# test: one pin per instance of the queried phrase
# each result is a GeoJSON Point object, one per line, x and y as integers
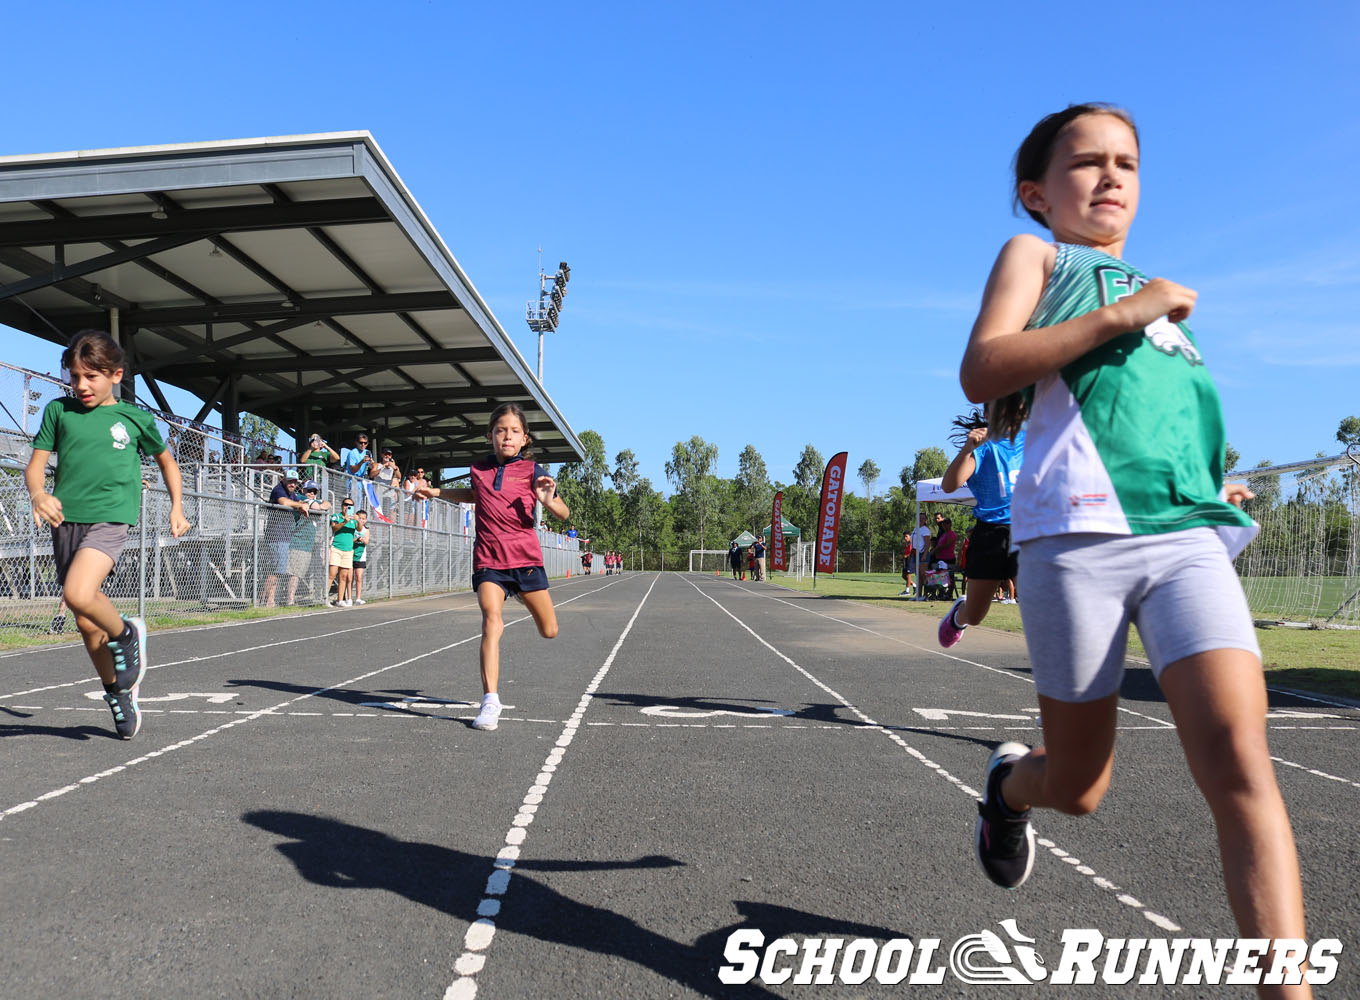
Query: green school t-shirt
{"type": "Point", "coordinates": [344, 538]}
{"type": "Point", "coordinates": [99, 472]}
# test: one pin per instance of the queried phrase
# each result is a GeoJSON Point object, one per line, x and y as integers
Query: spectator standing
{"type": "Point", "coordinates": [920, 542]}
{"type": "Point", "coordinates": [906, 565]}
{"type": "Point", "coordinates": [751, 560]}
{"type": "Point", "coordinates": [387, 476]}
{"type": "Point", "coordinates": [96, 498]}
{"type": "Point", "coordinates": [343, 527]}
{"type": "Point", "coordinates": [734, 559]}
{"type": "Point", "coordinates": [319, 455]}
{"type": "Point", "coordinates": [279, 520]}
{"type": "Point", "coordinates": [759, 549]}
{"type": "Point", "coordinates": [360, 554]}
{"type": "Point", "coordinates": [302, 544]}
{"type": "Point", "coordinates": [356, 462]}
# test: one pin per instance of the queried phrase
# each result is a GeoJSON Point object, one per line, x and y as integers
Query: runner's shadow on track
{"type": "Point", "coordinates": [68, 733]}
{"type": "Point", "coordinates": [982, 741]}
{"type": "Point", "coordinates": [345, 696]}
{"type": "Point", "coordinates": [703, 707]}
{"type": "Point", "coordinates": [330, 852]}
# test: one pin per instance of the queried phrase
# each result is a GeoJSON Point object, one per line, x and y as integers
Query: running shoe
{"type": "Point", "coordinates": [127, 716]}
{"type": "Point", "coordinates": [1003, 840]}
{"type": "Point", "coordinates": [489, 717]}
{"type": "Point", "coordinates": [950, 630]}
{"type": "Point", "coordinates": [129, 659]}
{"type": "Point", "coordinates": [344, 604]}
{"type": "Point", "coordinates": [360, 600]}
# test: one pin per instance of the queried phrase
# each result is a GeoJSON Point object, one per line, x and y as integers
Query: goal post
{"type": "Point", "coordinates": [1304, 566]}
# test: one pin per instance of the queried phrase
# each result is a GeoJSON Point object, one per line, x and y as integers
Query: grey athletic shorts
{"type": "Point", "coordinates": [1078, 594]}
{"type": "Point", "coordinates": [68, 538]}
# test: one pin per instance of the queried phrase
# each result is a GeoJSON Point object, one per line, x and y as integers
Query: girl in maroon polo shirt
{"type": "Point", "coordinates": [506, 558]}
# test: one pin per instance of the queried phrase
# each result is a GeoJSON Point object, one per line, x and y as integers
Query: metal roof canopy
{"type": "Point", "coordinates": [292, 277]}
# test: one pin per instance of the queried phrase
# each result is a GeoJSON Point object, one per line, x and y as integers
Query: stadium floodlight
{"type": "Point", "coordinates": [545, 314]}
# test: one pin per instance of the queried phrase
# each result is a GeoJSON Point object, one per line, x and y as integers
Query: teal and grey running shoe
{"type": "Point", "coordinates": [129, 660]}
{"type": "Point", "coordinates": [127, 716]}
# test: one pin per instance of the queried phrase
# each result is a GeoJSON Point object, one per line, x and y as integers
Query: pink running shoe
{"type": "Point", "coordinates": [950, 631]}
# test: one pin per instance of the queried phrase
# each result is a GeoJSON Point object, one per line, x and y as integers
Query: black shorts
{"type": "Point", "coordinates": [989, 555]}
{"type": "Point", "coordinates": [360, 564]}
{"type": "Point", "coordinates": [69, 537]}
{"type": "Point", "coordinates": [512, 581]}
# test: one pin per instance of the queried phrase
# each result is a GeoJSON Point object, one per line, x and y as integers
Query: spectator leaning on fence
{"type": "Point", "coordinates": [302, 545]}
{"type": "Point", "coordinates": [285, 499]}
{"type": "Point", "coordinates": [96, 498]}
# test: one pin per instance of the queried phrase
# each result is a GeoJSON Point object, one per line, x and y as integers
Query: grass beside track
{"type": "Point", "coordinates": [1322, 661]}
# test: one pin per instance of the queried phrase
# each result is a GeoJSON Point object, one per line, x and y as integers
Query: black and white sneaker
{"type": "Point", "coordinates": [1003, 839]}
{"type": "Point", "coordinates": [129, 659]}
{"type": "Point", "coordinates": [127, 715]}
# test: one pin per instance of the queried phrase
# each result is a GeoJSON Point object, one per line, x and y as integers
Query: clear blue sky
{"type": "Point", "coordinates": [795, 192]}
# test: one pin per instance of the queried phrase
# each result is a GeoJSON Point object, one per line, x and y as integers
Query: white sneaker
{"type": "Point", "coordinates": [489, 717]}
{"type": "Point", "coordinates": [344, 604]}
{"type": "Point", "coordinates": [360, 600]}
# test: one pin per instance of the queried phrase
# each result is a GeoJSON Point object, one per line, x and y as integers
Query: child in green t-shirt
{"type": "Point", "coordinates": [343, 527]}
{"type": "Point", "coordinates": [96, 498]}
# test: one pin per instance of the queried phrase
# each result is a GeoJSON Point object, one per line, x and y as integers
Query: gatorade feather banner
{"type": "Point", "coordinates": [829, 515]}
{"type": "Point", "coordinates": [779, 553]}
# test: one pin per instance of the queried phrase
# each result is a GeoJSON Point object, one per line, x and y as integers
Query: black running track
{"type": "Point", "coordinates": [308, 813]}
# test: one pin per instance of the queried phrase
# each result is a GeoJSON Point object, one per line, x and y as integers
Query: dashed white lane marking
{"type": "Point", "coordinates": [285, 642]}
{"type": "Point", "coordinates": [234, 652]}
{"type": "Point", "coordinates": [1007, 673]}
{"type": "Point", "coordinates": [483, 930]}
{"type": "Point", "coordinates": [262, 713]}
{"type": "Point", "coordinates": [925, 761]}
{"type": "Point", "coordinates": [420, 710]}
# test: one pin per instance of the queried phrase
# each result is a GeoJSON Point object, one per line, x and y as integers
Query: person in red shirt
{"type": "Point", "coordinates": [506, 558]}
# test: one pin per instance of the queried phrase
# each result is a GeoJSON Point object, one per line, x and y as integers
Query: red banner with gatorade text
{"type": "Point", "coordinates": [829, 514]}
{"type": "Point", "coordinates": [779, 552]}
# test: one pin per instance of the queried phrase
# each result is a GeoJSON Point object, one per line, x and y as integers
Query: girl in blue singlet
{"type": "Point", "coordinates": [1121, 516]}
{"type": "Point", "coordinates": [989, 466]}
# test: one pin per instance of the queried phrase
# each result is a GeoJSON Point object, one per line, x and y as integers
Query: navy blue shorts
{"type": "Point", "coordinates": [512, 581]}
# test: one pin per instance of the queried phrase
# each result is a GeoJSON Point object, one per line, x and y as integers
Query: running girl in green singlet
{"type": "Point", "coordinates": [1121, 515]}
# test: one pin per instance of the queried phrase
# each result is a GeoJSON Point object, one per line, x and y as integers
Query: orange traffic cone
{"type": "Point", "coordinates": [568, 574]}
{"type": "Point", "coordinates": [717, 572]}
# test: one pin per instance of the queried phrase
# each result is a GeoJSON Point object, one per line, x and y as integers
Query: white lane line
{"type": "Point", "coordinates": [1005, 673]}
{"type": "Point", "coordinates": [272, 710]}
{"type": "Point", "coordinates": [483, 930]}
{"type": "Point", "coordinates": [285, 642]}
{"type": "Point", "coordinates": [235, 652]}
{"type": "Point", "coordinates": [925, 761]}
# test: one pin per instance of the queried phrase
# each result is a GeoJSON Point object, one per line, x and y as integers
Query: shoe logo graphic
{"type": "Point", "coordinates": [985, 958]}
{"type": "Point", "coordinates": [121, 437]}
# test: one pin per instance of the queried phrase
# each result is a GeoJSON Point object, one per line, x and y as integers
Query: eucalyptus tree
{"type": "Point", "coordinates": [868, 475]}
{"type": "Point", "coordinates": [690, 470]}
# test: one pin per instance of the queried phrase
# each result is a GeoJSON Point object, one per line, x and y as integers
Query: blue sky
{"type": "Point", "coordinates": [779, 216]}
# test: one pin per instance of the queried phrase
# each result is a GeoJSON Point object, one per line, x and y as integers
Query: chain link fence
{"type": "Point", "coordinates": [242, 552]}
